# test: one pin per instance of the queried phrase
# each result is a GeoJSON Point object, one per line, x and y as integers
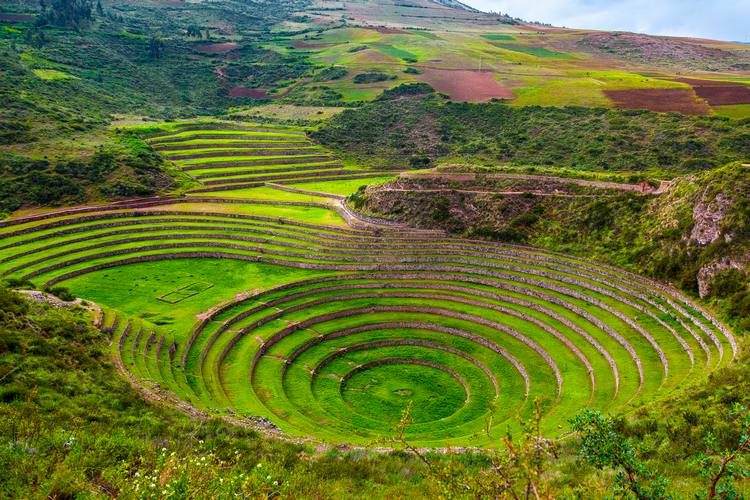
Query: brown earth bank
{"type": "Point", "coordinates": [682, 101]}
{"type": "Point", "coordinates": [529, 182]}
{"type": "Point", "coordinates": [465, 85]}
{"type": "Point", "coordinates": [217, 48]}
{"type": "Point", "coordinates": [307, 45]}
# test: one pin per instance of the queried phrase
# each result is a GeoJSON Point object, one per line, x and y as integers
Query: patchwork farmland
{"type": "Point", "coordinates": [305, 320]}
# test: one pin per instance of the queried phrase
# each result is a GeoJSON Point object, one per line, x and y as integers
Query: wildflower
{"type": "Point", "coordinates": [259, 466]}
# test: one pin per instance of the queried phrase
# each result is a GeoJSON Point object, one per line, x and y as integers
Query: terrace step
{"type": "Point", "coordinates": [234, 145]}
{"type": "Point", "coordinates": [260, 163]}
{"type": "Point", "coordinates": [492, 323]}
{"type": "Point", "coordinates": [220, 127]}
{"type": "Point", "coordinates": [301, 170]}
{"type": "Point", "coordinates": [248, 152]}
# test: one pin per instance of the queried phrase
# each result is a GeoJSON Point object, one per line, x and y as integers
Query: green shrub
{"type": "Point", "coordinates": [61, 293]}
{"type": "Point", "coordinates": [331, 73]}
{"type": "Point", "coordinates": [728, 282]}
{"type": "Point", "coordinates": [418, 162]}
{"type": "Point", "coordinates": [363, 78]}
{"type": "Point", "coordinates": [406, 90]}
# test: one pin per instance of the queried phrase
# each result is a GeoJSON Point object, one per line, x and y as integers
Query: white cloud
{"type": "Point", "coordinates": [719, 19]}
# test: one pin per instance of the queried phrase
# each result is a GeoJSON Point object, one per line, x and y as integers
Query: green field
{"type": "Point", "coordinates": [339, 325]}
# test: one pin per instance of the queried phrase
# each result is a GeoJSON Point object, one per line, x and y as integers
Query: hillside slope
{"type": "Point", "coordinates": [695, 234]}
{"type": "Point", "coordinates": [426, 128]}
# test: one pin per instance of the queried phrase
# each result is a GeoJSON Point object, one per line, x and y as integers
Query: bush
{"type": "Point", "coordinates": [331, 73]}
{"type": "Point", "coordinates": [61, 293]}
{"type": "Point", "coordinates": [372, 78]}
{"type": "Point", "coordinates": [406, 90]}
{"type": "Point", "coordinates": [19, 283]}
{"type": "Point", "coordinates": [418, 162]}
{"type": "Point", "coordinates": [728, 282]}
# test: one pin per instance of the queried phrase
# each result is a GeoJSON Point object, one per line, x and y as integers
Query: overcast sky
{"type": "Point", "coordinates": [718, 19]}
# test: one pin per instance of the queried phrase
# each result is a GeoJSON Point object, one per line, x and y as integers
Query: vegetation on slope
{"type": "Point", "coordinates": [398, 131]}
{"type": "Point", "coordinates": [696, 234]}
{"type": "Point", "coordinates": [123, 168]}
{"type": "Point", "coordinates": [75, 67]}
{"type": "Point", "coordinates": [72, 426]}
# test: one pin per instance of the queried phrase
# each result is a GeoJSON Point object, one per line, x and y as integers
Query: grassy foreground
{"type": "Point", "coordinates": [73, 427]}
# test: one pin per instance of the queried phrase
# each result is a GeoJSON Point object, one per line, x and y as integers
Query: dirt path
{"type": "Point", "coordinates": [509, 193]}
{"type": "Point", "coordinates": [320, 194]}
{"type": "Point", "coordinates": [643, 187]}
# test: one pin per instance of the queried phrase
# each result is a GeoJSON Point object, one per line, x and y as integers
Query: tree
{"type": "Point", "coordinates": [65, 13]}
{"type": "Point", "coordinates": [194, 31]}
{"type": "Point", "coordinates": [720, 468]}
{"type": "Point", "coordinates": [603, 447]}
{"type": "Point", "coordinates": [99, 8]}
{"type": "Point", "coordinates": [155, 48]}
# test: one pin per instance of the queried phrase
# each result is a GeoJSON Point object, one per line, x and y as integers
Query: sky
{"type": "Point", "coordinates": [717, 19]}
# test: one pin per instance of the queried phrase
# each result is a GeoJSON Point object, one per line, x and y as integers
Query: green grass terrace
{"type": "Point", "coordinates": [286, 314]}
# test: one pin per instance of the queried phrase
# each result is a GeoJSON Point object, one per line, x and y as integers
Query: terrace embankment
{"type": "Point", "coordinates": [227, 157]}
{"type": "Point", "coordinates": [690, 230]}
{"type": "Point", "coordinates": [373, 315]}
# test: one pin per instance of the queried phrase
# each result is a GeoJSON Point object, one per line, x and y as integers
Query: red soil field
{"type": "Point", "coordinates": [217, 48]}
{"type": "Point", "coordinates": [465, 85]}
{"type": "Point", "coordinates": [719, 93]}
{"type": "Point", "coordinates": [249, 93]}
{"type": "Point", "coordinates": [660, 100]}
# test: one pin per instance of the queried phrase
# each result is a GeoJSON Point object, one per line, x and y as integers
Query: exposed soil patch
{"type": "Point", "coordinates": [719, 93]}
{"type": "Point", "coordinates": [249, 93]}
{"type": "Point", "coordinates": [305, 45]}
{"type": "Point", "coordinates": [466, 85]}
{"type": "Point", "coordinates": [660, 100]}
{"type": "Point", "coordinates": [217, 48]}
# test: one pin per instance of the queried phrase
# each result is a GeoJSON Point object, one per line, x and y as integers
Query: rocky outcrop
{"type": "Point", "coordinates": [707, 272]}
{"type": "Point", "coordinates": [708, 216]}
